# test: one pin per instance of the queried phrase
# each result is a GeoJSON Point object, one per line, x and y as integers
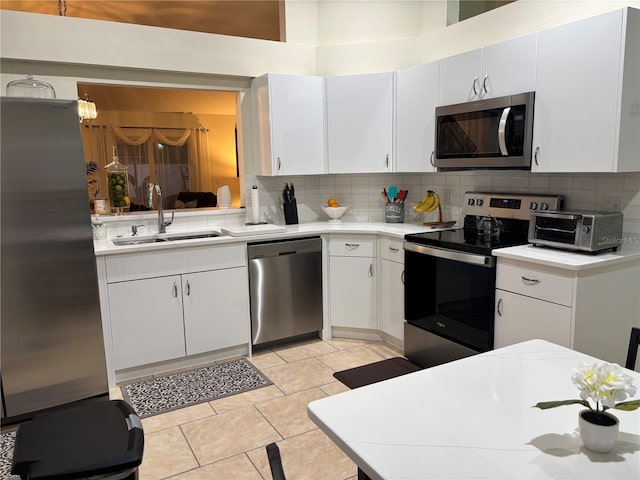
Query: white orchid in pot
{"type": "Point", "coordinates": [607, 386]}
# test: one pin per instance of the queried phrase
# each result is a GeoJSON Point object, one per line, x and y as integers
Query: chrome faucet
{"type": "Point", "coordinates": [162, 225]}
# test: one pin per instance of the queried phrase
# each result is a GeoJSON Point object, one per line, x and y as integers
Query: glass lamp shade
{"type": "Point", "coordinates": [86, 109]}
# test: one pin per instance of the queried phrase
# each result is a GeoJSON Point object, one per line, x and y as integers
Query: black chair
{"type": "Point", "coordinates": [101, 438]}
{"type": "Point", "coordinates": [632, 354]}
{"type": "Point", "coordinates": [275, 462]}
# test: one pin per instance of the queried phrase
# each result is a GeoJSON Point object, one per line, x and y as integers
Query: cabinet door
{"type": "Point", "coordinates": [509, 67]}
{"type": "Point", "coordinates": [519, 318]}
{"type": "Point", "coordinates": [216, 309]}
{"type": "Point", "coordinates": [289, 124]}
{"type": "Point", "coordinates": [416, 101]}
{"type": "Point", "coordinates": [577, 96]}
{"type": "Point", "coordinates": [459, 79]}
{"type": "Point", "coordinates": [392, 298]}
{"type": "Point", "coordinates": [297, 124]}
{"type": "Point", "coordinates": [146, 321]}
{"type": "Point", "coordinates": [360, 123]}
{"type": "Point", "coordinates": [352, 287]}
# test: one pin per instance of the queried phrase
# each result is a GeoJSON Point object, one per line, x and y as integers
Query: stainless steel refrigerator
{"type": "Point", "coordinates": [52, 343]}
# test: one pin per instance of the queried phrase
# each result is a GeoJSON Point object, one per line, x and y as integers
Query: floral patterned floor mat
{"type": "Point", "coordinates": [179, 390]}
{"type": "Point", "coordinates": [6, 455]}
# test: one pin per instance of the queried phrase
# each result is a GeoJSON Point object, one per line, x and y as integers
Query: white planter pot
{"type": "Point", "coordinates": [595, 437]}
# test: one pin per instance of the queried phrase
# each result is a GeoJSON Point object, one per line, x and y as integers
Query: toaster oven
{"type": "Point", "coordinates": [592, 232]}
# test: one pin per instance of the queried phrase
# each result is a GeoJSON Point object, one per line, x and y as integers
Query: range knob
{"type": "Point", "coordinates": [479, 202]}
{"type": "Point", "coordinates": [586, 229]}
{"type": "Point", "coordinates": [544, 206]}
{"type": "Point", "coordinates": [471, 201]}
{"type": "Point", "coordinates": [533, 206]}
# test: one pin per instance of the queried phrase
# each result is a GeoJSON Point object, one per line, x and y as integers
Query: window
{"type": "Point", "coordinates": [184, 140]}
{"type": "Point", "coordinates": [459, 10]}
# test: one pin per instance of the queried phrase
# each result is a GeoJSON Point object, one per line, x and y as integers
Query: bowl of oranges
{"type": "Point", "coordinates": [334, 211]}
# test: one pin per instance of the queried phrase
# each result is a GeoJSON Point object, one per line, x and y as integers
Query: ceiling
{"type": "Point", "coordinates": [147, 99]}
{"type": "Point", "coordinates": [246, 18]}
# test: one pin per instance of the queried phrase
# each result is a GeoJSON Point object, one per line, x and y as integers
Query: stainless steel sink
{"type": "Point", "coordinates": [165, 237]}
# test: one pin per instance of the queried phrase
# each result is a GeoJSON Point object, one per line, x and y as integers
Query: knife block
{"type": "Point", "coordinates": [290, 212]}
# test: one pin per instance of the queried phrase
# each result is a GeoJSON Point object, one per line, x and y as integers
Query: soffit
{"type": "Point", "coordinates": [143, 99]}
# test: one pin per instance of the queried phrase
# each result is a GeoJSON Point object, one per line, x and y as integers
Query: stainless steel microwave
{"type": "Point", "coordinates": [487, 134]}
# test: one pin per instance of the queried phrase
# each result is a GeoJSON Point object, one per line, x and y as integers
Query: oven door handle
{"type": "Point", "coordinates": [473, 259]}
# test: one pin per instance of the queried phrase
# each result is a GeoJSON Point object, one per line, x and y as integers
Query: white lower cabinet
{"type": "Point", "coordinates": [590, 310]}
{"type": "Point", "coordinates": [519, 318]}
{"type": "Point", "coordinates": [146, 321]}
{"type": "Point", "coordinates": [352, 282]}
{"type": "Point", "coordinates": [391, 318]}
{"type": "Point", "coordinates": [532, 301]}
{"type": "Point", "coordinates": [392, 299]}
{"type": "Point", "coordinates": [170, 316]}
{"type": "Point", "coordinates": [215, 305]}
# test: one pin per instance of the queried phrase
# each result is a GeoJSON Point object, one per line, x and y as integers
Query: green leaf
{"type": "Point", "coordinates": [628, 406]}
{"type": "Point", "coordinates": [559, 403]}
{"type": "Point", "coordinates": [91, 167]}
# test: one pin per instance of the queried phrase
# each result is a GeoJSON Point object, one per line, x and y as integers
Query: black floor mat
{"type": "Point", "coordinates": [376, 372]}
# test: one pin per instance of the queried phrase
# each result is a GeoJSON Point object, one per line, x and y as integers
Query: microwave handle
{"type": "Point", "coordinates": [502, 126]}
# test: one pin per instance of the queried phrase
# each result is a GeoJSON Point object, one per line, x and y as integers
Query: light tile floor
{"type": "Point", "coordinates": [225, 438]}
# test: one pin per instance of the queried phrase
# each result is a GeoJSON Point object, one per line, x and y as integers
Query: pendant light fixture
{"type": "Point", "coordinates": [86, 109]}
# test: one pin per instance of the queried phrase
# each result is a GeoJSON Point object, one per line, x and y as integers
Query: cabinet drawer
{"type": "Point", "coordinates": [352, 246]}
{"type": "Point", "coordinates": [537, 281]}
{"type": "Point", "coordinates": [391, 249]}
{"type": "Point", "coordinates": [132, 266]}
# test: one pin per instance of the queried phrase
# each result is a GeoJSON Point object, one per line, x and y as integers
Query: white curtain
{"type": "Point", "coordinates": [201, 172]}
{"type": "Point", "coordinates": [173, 137]}
{"type": "Point", "coordinates": [132, 136]}
{"type": "Point", "coordinates": [149, 156]}
{"type": "Point", "coordinates": [94, 142]}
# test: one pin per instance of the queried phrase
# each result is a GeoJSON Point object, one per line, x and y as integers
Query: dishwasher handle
{"type": "Point", "coordinates": [284, 248]}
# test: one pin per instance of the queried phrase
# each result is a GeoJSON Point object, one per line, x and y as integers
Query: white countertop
{"type": "Point", "coordinates": [473, 418]}
{"type": "Point", "coordinates": [397, 230]}
{"type": "Point", "coordinates": [629, 251]}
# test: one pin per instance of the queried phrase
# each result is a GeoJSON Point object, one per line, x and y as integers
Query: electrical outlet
{"type": "Point", "coordinates": [612, 203]}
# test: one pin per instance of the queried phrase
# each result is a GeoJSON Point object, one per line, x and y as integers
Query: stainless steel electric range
{"type": "Point", "coordinates": [449, 281]}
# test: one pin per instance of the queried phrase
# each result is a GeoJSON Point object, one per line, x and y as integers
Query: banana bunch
{"type": "Point", "coordinates": [429, 203]}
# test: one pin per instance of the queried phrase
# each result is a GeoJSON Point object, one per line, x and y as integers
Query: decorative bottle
{"type": "Point", "coordinates": [118, 183]}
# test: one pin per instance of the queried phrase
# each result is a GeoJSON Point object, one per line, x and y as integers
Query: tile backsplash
{"type": "Point", "coordinates": [361, 193]}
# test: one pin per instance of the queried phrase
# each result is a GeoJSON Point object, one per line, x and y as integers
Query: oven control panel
{"type": "Point", "coordinates": [508, 205]}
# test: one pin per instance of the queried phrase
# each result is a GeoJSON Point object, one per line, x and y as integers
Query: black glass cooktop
{"type": "Point", "coordinates": [466, 240]}
{"type": "Point", "coordinates": [469, 239]}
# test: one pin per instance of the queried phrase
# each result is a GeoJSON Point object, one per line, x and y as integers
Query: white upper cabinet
{"type": "Point", "coordinates": [587, 96]}
{"type": "Point", "coordinates": [360, 123]}
{"type": "Point", "coordinates": [505, 68]}
{"type": "Point", "coordinates": [460, 78]}
{"type": "Point", "coordinates": [416, 101]}
{"type": "Point", "coordinates": [288, 124]}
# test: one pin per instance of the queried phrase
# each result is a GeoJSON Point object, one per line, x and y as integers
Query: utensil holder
{"type": "Point", "coordinates": [290, 213]}
{"type": "Point", "coordinates": [394, 213]}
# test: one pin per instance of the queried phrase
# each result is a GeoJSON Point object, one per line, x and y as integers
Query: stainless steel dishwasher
{"type": "Point", "coordinates": [285, 283]}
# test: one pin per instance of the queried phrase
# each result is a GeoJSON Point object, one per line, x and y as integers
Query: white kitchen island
{"type": "Point", "coordinates": [473, 419]}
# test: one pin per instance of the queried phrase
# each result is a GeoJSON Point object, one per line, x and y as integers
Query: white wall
{"type": "Point", "coordinates": [509, 21]}
{"type": "Point", "coordinates": [69, 40]}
